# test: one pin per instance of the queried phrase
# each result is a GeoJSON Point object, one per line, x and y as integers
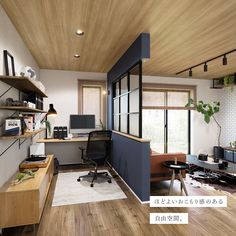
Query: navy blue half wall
{"type": "Point", "coordinates": [131, 160]}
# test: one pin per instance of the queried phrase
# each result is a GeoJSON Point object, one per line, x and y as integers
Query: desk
{"type": "Point", "coordinates": [52, 140]}
{"type": "Point", "coordinates": [66, 151]}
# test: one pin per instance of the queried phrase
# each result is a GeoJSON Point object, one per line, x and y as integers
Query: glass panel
{"type": "Point", "coordinates": [116, 122]}
{"type": "Point", "coordinates": [134, 82]}
{"type": "Point", "coordinates": [124, 88]}
{"type": "Point", "coordinates": [153, 98]}
{"type": "Point", "coordinates": [92, 94]}
{"type": "Point", "coordinates": [116, 106]}
{"type": "Point", "coordinates": [153, 129]}
{"type": "Point", "coordinates": [134, 78]}
{"type": "Point", "coordinates": [117, 89]}
{"type": "Point", "coordinates": [134, 101]}
{"type": "Point", "coordinates": [178, 131]}
{"type": "Point", "coordinates": [177, 98]}
{"type": "Point", "coordinates": [123, 125]}
{"type": "Point", "coordinates": [134, 124]}
{"type": "Point", "coordinates": [124, 103]}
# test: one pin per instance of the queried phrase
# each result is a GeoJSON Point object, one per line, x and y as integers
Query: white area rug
{"type": "Point", "coordinates": [68, 191]}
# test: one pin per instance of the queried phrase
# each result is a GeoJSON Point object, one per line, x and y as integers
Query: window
{"type": "Point", "coordinates": [92, 99]}
{"type": "Point", "coordinates": [127, 102]}
{"type": "Point", "coordinates": [166, 120]}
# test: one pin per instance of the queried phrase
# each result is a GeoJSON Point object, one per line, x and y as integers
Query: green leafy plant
{"type": "Point", "coordinates": [229, 81]}
{"type": "Point", "coordinates": [102, 125]}
{"type": "Point", "coordinates": [208, 110]}
{"type": "Point", "coordinates": [48, 126]}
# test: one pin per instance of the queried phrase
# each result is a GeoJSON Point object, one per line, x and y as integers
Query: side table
{"type": "Point", "coordinates": [176, 168]}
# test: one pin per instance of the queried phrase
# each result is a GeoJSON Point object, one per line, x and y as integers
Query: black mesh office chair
{"type": "Point", "coordinates": [97, 152]}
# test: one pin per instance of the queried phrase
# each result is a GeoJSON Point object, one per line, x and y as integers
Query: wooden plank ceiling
{"type": "Point", "coordinates": [183, 33]}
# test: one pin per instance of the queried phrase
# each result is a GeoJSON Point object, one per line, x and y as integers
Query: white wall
{"type": "Point", "coordinates": [227, 118]}
{"type": "Point", "coordinates": [204, 136]}
{"type": "Point", "coordinates": [62, 90]}
{"type": "Point", "coordinates": [11, 41]}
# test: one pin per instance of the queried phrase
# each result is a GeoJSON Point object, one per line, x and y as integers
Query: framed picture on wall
{"type": "Point", "coordinates": [9, 63]}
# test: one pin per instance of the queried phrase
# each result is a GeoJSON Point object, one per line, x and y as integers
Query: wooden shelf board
{"type": "Point", "coordinates": [26, 135]}
{"type": "Point", "coordinates": [24, 84]}
{"type": "Point", "coordinates": [21, 108]}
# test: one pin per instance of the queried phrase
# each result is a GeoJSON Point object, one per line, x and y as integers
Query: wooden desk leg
{"type": "Point", "coordinates": [172, 182]}
{"type": "Point", "coordinates": [182, 181]}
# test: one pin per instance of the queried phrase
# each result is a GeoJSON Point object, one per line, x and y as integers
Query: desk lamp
{"type": "Point", "coordinates": [51, 112]}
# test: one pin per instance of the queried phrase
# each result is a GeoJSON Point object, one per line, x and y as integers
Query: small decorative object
{"type": "Point", "coordinates": [27, 71]}
{"type": "Point", "coordinates": [11, 102]}
{"type": "Point", "coordinates": [225, 163]}
{"type": "Point", "coordinates": [9, 63]}
{"type": "Point", "coordinates": [202, 157]}
{"type": "Point", "coordinates": [232, 144]}
{"type": "Point", "coordinates": [27, 174]}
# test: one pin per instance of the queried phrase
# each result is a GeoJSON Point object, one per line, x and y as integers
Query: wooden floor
{"type": "Point", "coordinates": [130, 217]}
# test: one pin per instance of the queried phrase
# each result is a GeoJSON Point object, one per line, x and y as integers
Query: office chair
{"type": "Point", "coordinates": [97, 152]}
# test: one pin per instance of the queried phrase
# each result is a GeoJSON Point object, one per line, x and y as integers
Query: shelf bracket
{"type": "Point", "coordinates": [7, 90]}
{"type": "Point", "coordinates": [20, 143]}
{"type": "Point", "coordinates": [9, 147]}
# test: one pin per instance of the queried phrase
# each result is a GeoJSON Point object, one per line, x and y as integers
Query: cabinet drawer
{"type": "Point", "coordinates": [229, 155]}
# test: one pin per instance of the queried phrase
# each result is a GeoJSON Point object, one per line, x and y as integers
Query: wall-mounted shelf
{"type": "Point", "coordinates": [24, 84]}
{"type": "Point", "coordinates": [21, 108]}
{"type": "Point", "coordinates": [26, 135]}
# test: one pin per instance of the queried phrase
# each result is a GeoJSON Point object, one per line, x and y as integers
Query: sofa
{"type": "Point", "coordinates": [158, 171]}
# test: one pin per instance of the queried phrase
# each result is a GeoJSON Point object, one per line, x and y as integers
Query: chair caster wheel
{"type": "Point", "coordinates": [91, 185]}
{"type": "Point", "coordinates": [89, 173]}
{"type": "Point", "coordinates": [78, 180]}
{"type": "Point", "coordinates": [109, 181]}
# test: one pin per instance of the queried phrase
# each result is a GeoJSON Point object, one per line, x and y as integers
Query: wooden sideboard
{"type": "Point", "coordinates": [23, 204]}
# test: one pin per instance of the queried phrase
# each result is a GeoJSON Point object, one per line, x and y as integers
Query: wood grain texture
{"type": "Point", "coordinates": [26, 135]}
{"type": "Point", "coordinates": [128, 217]}
{"type": "Point", "coordinates": [23, 204]}
{"type": "Point", "coordinates": [21, 108]}
{"type": "Point", "coordinates": [24, 84]}
{"type": "Point", "coordinates": [183, 33]}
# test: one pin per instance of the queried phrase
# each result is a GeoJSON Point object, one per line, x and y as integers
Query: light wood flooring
{"type": "Point", "coordinates": [130, 217]}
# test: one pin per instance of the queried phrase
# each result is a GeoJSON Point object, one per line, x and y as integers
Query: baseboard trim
{"type": "Point", "coordinates": [142, 202]}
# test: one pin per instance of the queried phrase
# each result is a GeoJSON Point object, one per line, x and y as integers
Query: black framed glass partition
{"type": "Point", "coordinates": [127, 102]}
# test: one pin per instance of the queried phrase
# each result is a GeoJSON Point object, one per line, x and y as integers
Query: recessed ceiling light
{"type": "Point", "coordinates": [79, 32]}
{"type": "Point", "coordinates": [76, 55]}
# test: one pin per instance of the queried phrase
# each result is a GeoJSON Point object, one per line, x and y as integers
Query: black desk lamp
{"type": "Point", "coordinates": [51, 112]}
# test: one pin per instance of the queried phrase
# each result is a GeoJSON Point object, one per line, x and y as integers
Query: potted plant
{"type": "Point", "coordinates": [48, 127]}
{"type": "Point", "coordinates": [208, 110]}
{"type": "Point", "coordinates": [229, 81]}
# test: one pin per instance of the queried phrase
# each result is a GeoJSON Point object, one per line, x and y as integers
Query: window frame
{"type": "Point", "coordinates": [115, 96]}
{"type": "Point", "coordinates": [102, 84]}
{"type": "Point", "coordinates": [191, 89]}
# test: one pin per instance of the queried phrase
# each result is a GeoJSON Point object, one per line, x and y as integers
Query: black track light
{"type": "Point", "coordinates": [205, 67]}
{"type": "Point", "coordinates": [224, 61]}
{"type": "Point", "coordinates": [190, 73]}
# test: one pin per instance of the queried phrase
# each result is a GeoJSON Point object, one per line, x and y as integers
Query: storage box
{"type": "Point", "coordinates": [229, 155]}
{"type": "Point", "coordinates": [12, 125]}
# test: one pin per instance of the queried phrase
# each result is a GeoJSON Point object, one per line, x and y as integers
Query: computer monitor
{"type": "Point", "coordinates": [82, 124]}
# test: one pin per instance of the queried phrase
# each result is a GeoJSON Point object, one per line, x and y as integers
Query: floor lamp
{"type": "Point", "coordinates": [51, 112]}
